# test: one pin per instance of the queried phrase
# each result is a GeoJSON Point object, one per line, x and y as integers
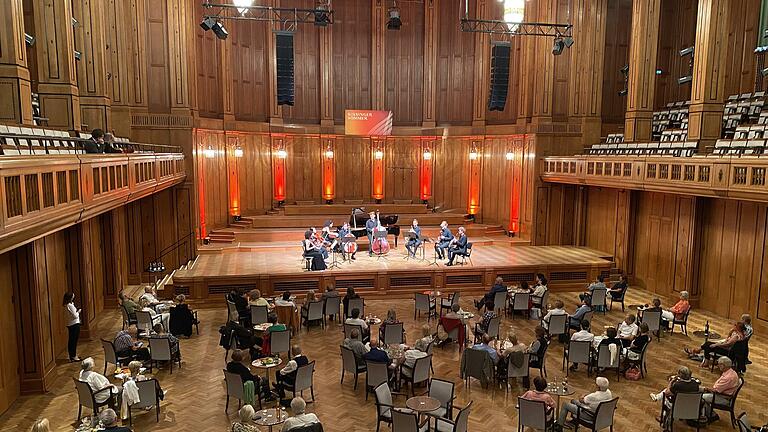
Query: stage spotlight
{"type": "Point", "coordinates": [686, 51]}
{"type": "Point", "coordinates": [568, 41]}
{"type": "Point", "coordinates": [427, 155]}
{"type": "Point", "coordinates": [625, 70]}
{"type": "Point", "coordinates": [623, 92]}
{"type": "Point", "coordinates": [685, 79]}
{"type": "Point", "coordinates": [764, 72]}
{"type": "Point", "coordinates": [322, 18]}
{"type": "Point", "coordinates": [394, 22]}
{"type": "Point", "coordinates": [558, 46]}
{"type": "Point", "coordinates": [210, 23]}
{"type": "Point", "coordinates": [244, 5]}
{"type": "Point", "coordinates": [207, 23]}
{"type": "Point", "coordinates": [29, 39]}
{"type": "Point", "coordinates": [78, 55]}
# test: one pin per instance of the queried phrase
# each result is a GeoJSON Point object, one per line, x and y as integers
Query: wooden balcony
{"type": "Point", "coordinates": [40, 194]}
{"type": "Point", "coordinates": [725, 177]}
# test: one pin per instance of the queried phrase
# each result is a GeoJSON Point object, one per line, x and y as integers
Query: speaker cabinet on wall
{"type": "Point", "coordinates": [497, 97]}
{"type": "Point", "coordinates": [284, 54]}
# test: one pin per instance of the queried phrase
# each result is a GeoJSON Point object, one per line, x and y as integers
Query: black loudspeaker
{"type": "Point", "coordinates": [497, 97]}
{"type": "Point", "coordinates": [284, 54]}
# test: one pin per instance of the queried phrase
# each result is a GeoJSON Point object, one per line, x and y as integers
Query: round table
{"type": "Point", "coordinates": [557, 390]}
{"type": "Point", "coordinates": [270, 417]}
{"type": "Point", "coordinates": [258, 364]}
{"type": "Point", "coordinates": [422, 404]}
{"type": "Point", "coordinates": [712, 334]}
{"type": "Point", "coordinates": [262, 327]}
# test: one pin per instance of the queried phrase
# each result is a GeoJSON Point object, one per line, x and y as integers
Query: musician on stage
{"type": "Point", "coordinates": [444, 240]}
{"type": "Point", "coordinates": [370, 227]}
{"type": "Point", "coordinates": [458, 246]}
{"type": "Point", "coordinates": [330, 239]}
{"type": "Point", "coordinates": [412, 245]}
{"type": "Point", "coordinates": [317, 240]}
{"type": "Point", "coordinates": [312, 250]}
{"type": "Point", "coordinates": [345, 231]}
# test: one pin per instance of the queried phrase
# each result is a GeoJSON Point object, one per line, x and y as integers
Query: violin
{"type": "Point", "coordinates": [380, 244]}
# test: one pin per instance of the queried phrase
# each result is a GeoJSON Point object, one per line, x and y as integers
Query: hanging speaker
{"type": "Point", "coordinates": [497, 97]}
{"type": "Point", "coordinates": [284, 54]}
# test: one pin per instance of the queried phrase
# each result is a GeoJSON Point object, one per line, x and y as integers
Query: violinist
{"type": "Point", "coordinates": [344, 231]}
{"type": "Point", "coordinates": [317, 240]}
{"type": "Point", "coordinates": [370, 226]}
{"type": "Point", "coordinates": [330, 239]}
{"type": "Point", "coordinates": [312, 250]}
{"type": "Point", "coordinates": [443, 241]}
{"type": "Point", "coordinates": [458, 246]}
{"type": "Point", "coordinates": [414, 242]}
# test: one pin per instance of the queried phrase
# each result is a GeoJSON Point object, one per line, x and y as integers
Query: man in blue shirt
{"type": "Point", "coordinates": [376, 355]}
{"type": "Point", "coordinates": [487, 348]}
{"type": "Point", "coordinates": [488, 298]}
{"type": "Point", "coordinates": [371, 225]}
{"type": "Point", "coordinates": [459, 247]}
{"type": "Point", "coordinates": [443, 241]}
{"type": "Point", "coordinates": [413, 243]}
{"type": "Point", "coordinates": [575, 320]}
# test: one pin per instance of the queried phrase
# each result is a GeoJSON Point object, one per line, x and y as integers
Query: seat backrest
{"type": "Point", "coordinates": [315, 311]}
{"type": "Point", "coordinates": [474, 361]}
{"type": "Point", "coordinates": [84, 394]}
{"type": "Point", "coordinates": [234, 385]}
{"type": "Point", "coordinates": [304, 376]}
{"type": "Point", "coordinates": [109, 351]}
{"type": "Point", "coordinates": [532, 413]}
{"type": "Point", "coordinates": [499, 300]}
{"type": "Point", "coordinates": [442, 390]}
{"type": "Point", "coordinates": [744, 424]}
{"type": "Point", "coordinates": [421, 369]}
{"type": "Point", "coordinates": [686, 406]}
{"type": "Point", "coordinates": [521, 301]}
{"type": "Point", "coordinates": [604, 357]}
{"type": "Point", "coordinates": [598, 297]}
{"type": "Point", "coordinates": [232, 311]}
{"type": "Point", "coordinates": [348, 362]}
{"type": "Point", "coordinates": [455, 298]}
{"type": "Point", "coordinates": [356, 303]}
{"type": "Point", "coordinates": [148, 396]}
{"type": "Point", "coordinates": [376, 372]}
{"type": "Point", "coordinates": [422, 301]}
{"type": "Point", "coordinates": [280, 341]}
{"type": "Point", "coordinates": [516, 372]}
{"type": "Point", "coordinates": [653, 319]}
{"type": "Point", "coordinates": [403, 421]}
{"type": "Point", "coordinates": [348, 330]}
{"type": "Point", "coordinates": [333, 305]}
{"type": "Point", "coordinates": [259, 314]}
{"type": "Point", "coordinates": [393, 334]}
{"type": "Point", "coordinates": [160, 348]}
{"type": "Point", "coordinates": [558, 324]}
{"type": "Point", "coordinates": [578, 351]}
{"type": "Point", "coordinates": [462, 419]}
{"type": "Point", "coordinates": [144, 320]}
{"type": "Point", "coordinates": [383, 398]}
{"type": "Point", "coordinates": [588, 316]}
{"type": "Point", "coordinates": [493, 327]}
{"type": "Point", "coordinates": [604, 414]}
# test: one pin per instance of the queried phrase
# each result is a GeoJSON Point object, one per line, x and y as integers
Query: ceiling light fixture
{"type": "Point", "coordinates": [209, 152]}
{"type": "Point", "coordinates": [238, 152]}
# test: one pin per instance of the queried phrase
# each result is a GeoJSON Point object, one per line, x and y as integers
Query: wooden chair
{"type": "Point", "coordinates": [375, 373]}
{"type": "Point", "coordinates": [578, 352]}
{"type": "Point", "coordinates": [87, 398]}
{"type": "Point", "coordinates": [332, 307]}
{"type": "Point", "coordinates": [350, 363]}
{"type": "Point", "coordinates": [127, 320]}
{"type": "Point", "coordinates": [160, 350]}
{"type": "Point", "coordinates": [727, 403]}
{"type": "Point", "coordinates": [305, 378]}
{"type": "Point", "coordinates": [465, 257]}
{"type": "Point", "coordinates": [259, 314]}
{"type": "Point", "coordinates": [500, 302]}
{"type": "Point", "coordinates": [280, 342]}
{"type": "Point", "coordinates": [533, 414]}
{"type": "Point", "coordinates": [393, 334]}
{"type": "Point", "coordinates": [384, 404]}
{"type": "Point", "coordinates": [234, 385]}
{"type": "Point", "coordinates": [516, 372]}
{"type": "Point", "coordinates": [419, 373]}
{"type": "Point", "coordinates": [519, 303]}
{"type": "Point", "coordinates": [598, 420]}
{"type": "Point", "coordinates": [443, 391]}
{"type": "Point", "coordinates": [407, 421]}
{"type": "Point", "coordinates": [447, 304]}
{"type": "Point", "coordinates": [423, 302]}
{"type": "Point", "coordinates": [110, 355]}
{"type": "Point", "coordinates": [313, 313]}
{"type": "Point", "coordinates": [149, 398]}
{"type": "Point", "coordinates": [685, 406]}
{"type": "Point", "coordinates": [603, 360]}
{"type": "Point", "coordinates": [683, 323]}
{"type": "Point", "coordinates": [620, 299]}
{"type": "Point", "coordinates": [598, 299]}
{"type": "Point", "coordinates": [558, 325]}
{"type": "Point", "coordinates": [355, 303]}
{"type": "Point", "coordinates": [459, 424]}
{"type": "Point", "coordinates": [653, 319]}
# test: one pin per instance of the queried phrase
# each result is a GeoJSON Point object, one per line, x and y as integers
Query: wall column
{"type": "Point", "coordinates": [482, 59]}
{"type": "Point", "coordinates": [227, 83]}
{"type": "Point", "coordinates": [709, 69]}
{"type": "Point", "coordinates": [119, 76]}
{"type": "Point", "coordinates": [643, 45]}
{"type": "Point", "coordinates": [275, 111]}
{"type": "Point", "coordinates": [15, 89]}
{"type": "Point", "coordinates": [542, 63]}
{"type": "Point", "coordinates": [326, 76]}
{"type": "Point", "coordinates": [90, 40]}
{"type": "Point", "coordinates": [57, 77]}
{"type": "Point", "coordinates": [430, 64]}
{"type": "Point", "coordinates": [378, 54]}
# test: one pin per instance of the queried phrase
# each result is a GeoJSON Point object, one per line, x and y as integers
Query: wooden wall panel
{"type": "Point", "coordinates": [353, 168]}
{"type": "Point", "coordinates": [656, 242]}
{"type": "Point", "coordinates": [743, 26]}
{"type": "Point", "coordinates": [497, 177]}
{"type": "Point", "coordinates": [451, 174]}
{"type": "Point", "coordinates": [351, 56]}
{"type": "Point", "coordinates": [560, 83]}
{"type": "Point", "coordinates": [601, 214]}
{"type": "Point", "coordinates": [255, 174]}
{"type": "Point", "coordinates": [306, 61]}
{"type": "Point", "coordinates": [208, 73]}
{"type": "Point", "coordinates": [619, 24]}
{"type": "Point", "coordinates": [303, 168]}
{"type": "Point", "coordinates": [158, 90]}
{"type": "Point", "coordinates": [210, 176]}
{"type": "Point", "coordinates": [401, 180]}
{"type": "Point", "coordinates": [404, 68]}
{"type": "Point", "coordinates": [681, 16]}
{"type": "Point", "coordinates": [249, 70]}
{"type": "Point", "coordinates": [455, 66]}
{"type": "Point", "coordinates": [9, 351]}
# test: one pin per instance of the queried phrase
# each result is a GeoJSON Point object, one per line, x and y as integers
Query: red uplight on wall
{"type": "Point", "coordinates": [278, 168]}
{"type": "Point", "coordinates": [475, 165]}
{"type": "Point", "coordinates": [515, 166]}
{"type": "Point", "coordinates": [377, 168]}
{"type": "Point", "coordinates": [329, 170]}
{"type": "Point", "coordinates": [201, 162]}
{"type": "Point", "coordinates": [425, 169]}
{"type": "Point", "coordinates": [233, 169]}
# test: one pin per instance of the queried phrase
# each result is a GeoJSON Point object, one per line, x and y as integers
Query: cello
{"type": "Point", "coordinates": [380, 244]}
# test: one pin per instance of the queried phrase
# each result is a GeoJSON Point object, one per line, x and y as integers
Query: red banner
{"type": "Point", "coordinates": [367, 122]}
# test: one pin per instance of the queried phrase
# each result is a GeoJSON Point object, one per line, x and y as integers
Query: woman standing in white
{"type": "Point", "coordinates": [72, 315]}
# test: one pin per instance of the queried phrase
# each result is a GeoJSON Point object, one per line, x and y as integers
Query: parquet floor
{"type": "Point", "coordinates": [195, 399]}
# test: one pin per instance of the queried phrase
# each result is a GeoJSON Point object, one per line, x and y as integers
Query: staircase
{"type": "Point", "coordinates": [222, 236]}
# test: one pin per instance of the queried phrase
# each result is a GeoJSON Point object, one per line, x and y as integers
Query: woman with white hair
{"type": "Point", "coordinates": [589, 402]}
{"type": "Point", "coordinates": [97, 382]}
{"type": "Point", "coordinates": [41, 425]}
{"type": "Point", "coordinates": [246, 423]}
{"type": "Point", "coordinates": [108, 418]}
{"type": "Point", "coordinates": [163, 317]}
{"type": "Point", "coordinates": [678, 310]}
{"type": "Point", "coordinates": [300, 418]}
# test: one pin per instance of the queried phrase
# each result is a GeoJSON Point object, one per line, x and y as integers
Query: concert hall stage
{"type": "Point", "coordinates": [277, 269]}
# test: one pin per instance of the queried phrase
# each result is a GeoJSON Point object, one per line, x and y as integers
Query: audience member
{"type": "Point", "coordinates": [274, 325]}
{"type": "Point", "coordinates": [150, 295]}
{"type": "Point", "coordinates": [108, 418]}
{"type": "Point", "coordinates": [355, 319]}
{"type": "Point", "coordinates": [540, 394]}
{"type": "Point", "coordinates": [376, 354]}
{"type": "Point", "coordinates": [593, 286]}
{"type": "Point", "coordinates": [559, 309]}
{"type": "Point", "coordinates": [285, 300]}
{"type": "Point", "coordinates": [110, 146]}
{"type": "Point", "coordinates": [613, 343]}
{"type": "Point", "coordinates": [255, 299]}
{"type": "Point", "coordinates": [655, 306]}
{"type": "Point", "coordinates": [538, 347]}
{"type": "Point", "coordinates": [680, 383]}
{"type": "Point", "coordinates": [351, 294]}
{"type": "Point", "coordinates": [330, 292]}
{"type": "Point", "coordinates": [245, 420]}
{"type": "Point", "coordinates": [724, 387]}
{"type": "Point", "coordinates": [354, 343]}
{"type": "Point", "coordinates": [162, 319]}
{"type": "Point", "coordinates": [130, 393]}
{"type": "Point", "coordinates": [541, 286]}
{"type": "Point", "coordinates": [720, 347]}
{"type": "Point", "coordinates": [311, 298]}
{"type": "Point", "coordinates": [73, 325]}
{"type": "Point", "coordinates": [391, 319]}
{"type": "Point", "coordinates": [240, 364]}
{"type": "Point", "coordinates": [484, 345]}
{"type": "Point", "coordinates": [635, 348]}
{"type": "Point", "coordinates": [300, 418]}
{"type": "Point", "coordinates": [442, 336]}
{"type": "Point", "coordinates": [426, 338]}
{"type": "Point", "coordinates": [286, 377]}
{"type": "Point", "coordinates": [41, 425]}
{"type": "Point", "coordinates": [125, 346]}
{"type": "Point", "coordinates": [627, 330]}
{"type": "Point", "coordinates": [482, 327]}
{"type": "Point", "coordinates": [241, 304]}
{"type": "Point", "coordinates": [244, 338]}
{"type": "Point", "coordinates": [95, 144]}
{"type": "Point", "coordinates": [583, 335]}
{"type": "Point", "coordinates": [619, 288]}
{"type": "Point", "coordinates": [747, 320]}
{"type": "Point", "coordinates": [98, 382]}
{"type": "Point", "coordinates": [182, 318]}
{"type": "Point", "coordinates": [590, 401]}
{"type": "Point", "coordinates": [487, 300]}
{"type": "Point", "coordinates": [511, 345]}
{"type": "Point", "coordinates": [677, 311]}
{"type": "Point", "coordinates": [129, 305]}
{"type": "Point", "coordinates": [575, 320]}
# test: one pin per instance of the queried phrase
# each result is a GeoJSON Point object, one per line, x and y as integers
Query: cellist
{"type": "Point", "coordinates": [344, 231]}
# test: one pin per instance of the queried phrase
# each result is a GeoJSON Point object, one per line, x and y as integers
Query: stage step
{"type": "Point", "coordinates": [286, 221]}
{"type": "Point", "coordinates": [221, 237]}
{"type": "Point", "coordinates": [346, 209]}
{"type": "Point", "coordinates": [266, 235]}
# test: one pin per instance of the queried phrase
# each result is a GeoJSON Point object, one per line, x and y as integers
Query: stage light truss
{"type": "Point", "coordinates": [286, 19]}
{"type": "Point", "coordinates": [510, 29]}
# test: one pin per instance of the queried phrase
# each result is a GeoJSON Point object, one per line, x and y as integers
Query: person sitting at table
{"type": "Point", "coordinates": [583, 335]}
{"type": "Point", "coordinates": [487, 300]}
{"type": "Point", "coordinates": [130, 393]}
{"type": "Point", "coordinates": [510, 347]}
{"type": "Point", "coordinates": [635, 348]}
{"type": "Point", "coordinates": [286, 377]}
{"type": "Point", "coordinates": [126, 347]}
{"type": "Point", "coordinates": [355, 319]}
{"type": "Point", "coordinates": [619, 288]}
{"type": "Point", "coordinates": [377, 354]}
{"type": "Point", "coordinates": [108, 419]}
{"type": "Point", "coordinates": [182, 318]}
{"type": "Point", "coordinates": [677, 311]}
{"type": "Point", "coordinates": [330, 292]}
{"type": "Point", "coordinates": [158, 319]}
{"type": "Point", "coordinates": [354, 343]}
{"type": "Point", "coordinates": [299, 419]}
{"type": "Point", "coordinates": [150, 295]}
{"type": "Point", "coordinates": [725, 385]}
{"type": "Point", "coordinates": [391, 319]}
{"type": "Point", "coordinates": [559, 309]}
{"type": "Point", "coordinates": [537, 348]}
{"type": "Point", "coordinates": [481, 328]}
{"type": "Point", "coordinates": [255, 298]}
{"type": "Point", "coordinates": [273, 324]}
{"type": "Point", "coordinates": [717, 348]}
{"type": "Point", "coordinates": [241, 364]}
{"type": "Point", "coordinates": [409, 360]}
{"type": "Point", "coordinates": [612, 342]}
{"type": "Point", "coordinates": [574, 321]}
{"type": "Point", "coordinates": [484, 345]}
{"type": "Point", "coordinates": [245, 420]}
{"type": "Point", "coordinates": [655, 306]}
{"type": "Point", "coordinates": [285, 300]}
{"type": "Point", "coordinates": [311, 298]}
{"type": "Point", "coordinates": [539, 393]}
{"type": "Point", "coordinates": [245, 338]}
{"type": "Point", "coordinates": [589, 401]}
{"type": "Point", "coordinates": [593, 286]}
{"type": "Point", "coordinates": [682, 382]}
{"type": "Point", "coordinates": [441, 337]}
{"type": "Point", "coordinates": [627, 330]}
{"type": "Point", "coordinates": [540, 287]}
{"type": "Point", "coordinates": [426, 338]}
{"type": "Point", "coordinates": [130, 306]}
{"type": "Point", "coordinates": [98, 382]}
{"type": "Point", "coordinates": [351, 294]}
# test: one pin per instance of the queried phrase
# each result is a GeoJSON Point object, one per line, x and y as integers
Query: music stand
{"type": "Point", "coordinates": [434, 260]}
{"type": "Point", "coordinates": [344, 241]}
{"type": "Point", "coordinates": [408, 236]}
{"type": "Point", "coordinates": [334, 263]}
{"type": "Point", "coordinates": [378, 235]}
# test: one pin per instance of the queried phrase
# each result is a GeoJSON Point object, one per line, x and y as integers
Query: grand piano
{"type": "Point", "coordinates": [359, 216]}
